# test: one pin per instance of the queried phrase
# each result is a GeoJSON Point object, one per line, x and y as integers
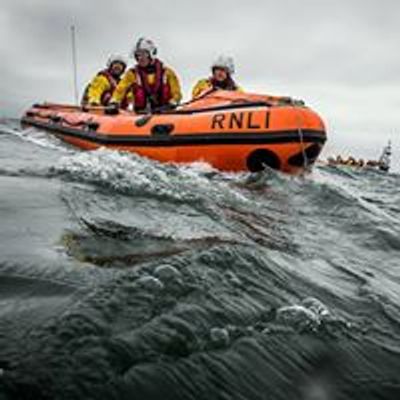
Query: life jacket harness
{"type": "Point", "coordinates": [151, 95]}
{"type": "Point", "coordinates": [113, 82]}
{"type": "Point", "coordinates": [107, 94]}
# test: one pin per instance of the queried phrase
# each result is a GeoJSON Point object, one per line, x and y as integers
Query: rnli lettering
{"type": "Point", "coordinates": [267, 114]}
{"type": "Point", "coordinates": [236, 121]}
{"type": "Point", "coordinates": [240, 120]}
{"type": "Point", "coordinates": [250, 123]}
{"type": "Point", "coordinates": [218, 119]}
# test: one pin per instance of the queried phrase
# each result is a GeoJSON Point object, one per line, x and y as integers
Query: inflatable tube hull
{"type": "Point", "coordinates": [232, 136]}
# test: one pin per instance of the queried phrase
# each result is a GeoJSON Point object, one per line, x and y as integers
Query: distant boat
{"type": "Point", "coordinates": [383, 163]}
{"type": "Point", "coordinates": [385, 158]}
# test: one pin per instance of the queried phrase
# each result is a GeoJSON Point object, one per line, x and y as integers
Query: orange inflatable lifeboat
{"type": "Point", "coordinates": [231, 131]}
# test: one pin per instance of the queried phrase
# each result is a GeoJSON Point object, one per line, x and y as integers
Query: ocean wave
{"type": "Point", "coordinates": [121, 275]}
{"type": "Point", "coordinates": [132, 174]}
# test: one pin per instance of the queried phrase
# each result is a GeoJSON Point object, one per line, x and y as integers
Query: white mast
{"type": "Point", "coordinates": [74, 63]}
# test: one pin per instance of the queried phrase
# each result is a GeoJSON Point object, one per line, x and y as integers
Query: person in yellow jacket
{"type": "Point", "coordinates": [151, 84]}
{"type": "Point", "coordinates": [222, 70]}
{"type": "Point", "coordinates": [101, 88]}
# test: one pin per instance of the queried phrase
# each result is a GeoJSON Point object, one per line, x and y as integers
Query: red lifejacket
{"type": "Point", "coordinates": [153, 95]}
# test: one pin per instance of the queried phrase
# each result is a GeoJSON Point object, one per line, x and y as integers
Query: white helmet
{"type": "Point", "coordinates": [116, 58]}
{"type": "Point", "coordinates": [145, 44]}
{"type": "Point", "coordinates": [225, 62]}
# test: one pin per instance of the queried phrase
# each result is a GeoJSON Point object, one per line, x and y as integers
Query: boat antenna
{"type": "Point", "coordinates": [74, 63]}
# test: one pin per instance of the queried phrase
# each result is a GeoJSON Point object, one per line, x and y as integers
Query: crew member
{"type": "Point", "coordinates": [100, 90]}
{"type": "Point", "coordinates": [222, 70]}
{"type": "Point", "coordinates": [152, 85]}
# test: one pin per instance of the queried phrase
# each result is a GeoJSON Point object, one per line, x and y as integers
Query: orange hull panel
{"type": "Point", "coordinates": [230, 131]}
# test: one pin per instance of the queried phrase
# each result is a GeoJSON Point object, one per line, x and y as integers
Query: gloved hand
{"type": "Point", "coordinates": [286, 100]}
{"type": "Point", "coordinates": [167, 107]}
{"type": "Point", "coordinates": [299, 102]}
{"type": "Point", "coordinates": [172, 105]}
{"type": "Point", "coordinates": [291, 101]}
{"type": "Point", "coordinates": [112, 109]}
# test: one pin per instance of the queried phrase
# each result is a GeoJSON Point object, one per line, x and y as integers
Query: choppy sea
{"type": "Point", "coordinates": [123, 278]}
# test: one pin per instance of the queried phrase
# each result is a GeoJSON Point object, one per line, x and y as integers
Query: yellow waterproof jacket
{"type": "Point", "coordinates": [204, 85]}
{"type": "Point", "coordinates": [99, 91]}
{"type": "Point", "coordinates": [130, 78]}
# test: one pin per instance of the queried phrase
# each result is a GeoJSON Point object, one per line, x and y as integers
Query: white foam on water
{"type": "Point", "coordinates": [42, 139]}
{"type": "Point", "coordinates": [310, 314]}
{"type": "Point", "coordinates": [128, 172]}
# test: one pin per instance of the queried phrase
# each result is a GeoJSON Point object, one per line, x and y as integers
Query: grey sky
{"type": "Point", "coordinates": [341, 57]}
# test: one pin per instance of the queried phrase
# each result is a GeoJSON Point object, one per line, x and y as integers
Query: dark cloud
{"type": "Point", "coordinates": [341, 56]}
